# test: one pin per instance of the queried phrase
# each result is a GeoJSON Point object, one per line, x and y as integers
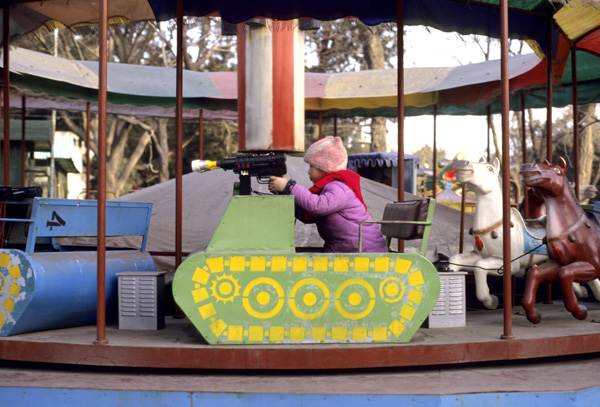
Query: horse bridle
{"type": "Point", "coordinates": [571, 229]}
{"type": "Point", "coordinates": [489, 229]}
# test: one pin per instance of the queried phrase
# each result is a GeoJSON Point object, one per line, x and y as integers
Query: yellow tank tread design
{"type": "Point", "coordinates": [306, 298]}
{"type": "Point", "coordinates": [14, 282]}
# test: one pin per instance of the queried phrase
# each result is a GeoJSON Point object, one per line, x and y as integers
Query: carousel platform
{"type": "Point", "coordinates": [551, 364]}
{"type": "Point", "coordinates": [179, 346]}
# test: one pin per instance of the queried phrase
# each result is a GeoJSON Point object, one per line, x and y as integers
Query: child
{"type": "Point", "coordinates": [335, 200]}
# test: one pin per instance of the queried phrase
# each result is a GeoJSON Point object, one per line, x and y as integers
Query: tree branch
{"type": "Point", "coordinates": [134, 158]}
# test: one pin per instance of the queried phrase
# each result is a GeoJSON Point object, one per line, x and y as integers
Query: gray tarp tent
{"type": "Point", "coordinates": [206, 195]}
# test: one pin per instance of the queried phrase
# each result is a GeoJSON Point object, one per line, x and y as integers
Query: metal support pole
{"type": "Point", "coordinates": [6, 91]}
{"type": "Point", "coordinates": [400, 20]}
{"type": "Point", "coordinates": [549, 86]}
{"type": "Point", "coordinates": [241, 80]}
{"type": "Point", "coordinates": [320, 125]}
{"type": "Point", "coordinates": [549, 82]}
{"type": "Point", "coordinates": [101, 256]}
{"type": "Point", "coordinates": [334, 126]}
{"type": "Point", "coordinates": [489, 130]}
{"type": "Point", "coordinates": [434, 181]}
{"type": "Point", "coordinates": [463, 209]}
{"type": "Point", "coordinates": [52, 184]}
{"type": "Point", "coordinates": [575, 120]}
{"type": "Point", "coordinates": [505, 170]}
{"type": "Point", "coordinates": [200, 134]}
{"type": "Point", "coordinates": [179, 138]}
{"type": "Point", "coordinates": [400, 27]}
{"type": "Point", "coordinates": [88, 165]}
{"type": "Point", "coordinates": [524, 149]}
{"type": "Point", "coordinates": [23, 145]}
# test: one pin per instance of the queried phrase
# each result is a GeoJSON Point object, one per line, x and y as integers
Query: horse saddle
{"type": "Point", "coordinates": [534, 231]}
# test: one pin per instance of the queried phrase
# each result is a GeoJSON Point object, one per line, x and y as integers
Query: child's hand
{"type": "Point", "coordinates": [277, 184]}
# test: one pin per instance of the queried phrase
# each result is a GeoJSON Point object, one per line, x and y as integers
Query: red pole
{"type": "Point", "coordinates": [400, 23]}
{"type": "Point", "coordinates": [284, 102]}
{"type": "Point", "coordinates": [88, 117]}
{"type": "Point", "coordinates": [201, 134]}
{"type": "Point", "coordinates": [400, 20]}
{"type": "Point", "coordinates": [102, 76]}
{"type": "Point", "coordinates": [524, 149]}
{"type": "Point", "coordinates": [505, 171]}
{"type": "Point", "coordinates": [320, 125]}
{"type": "Point", "coordinates": [400, 27]}
{"type": "Point", "coordinates": [23, 145]}
{"type": "Point", "coordinates": [489, 129]}
{"type": "Point", "coordinates": [549, 82]}
{"type": "Point", "coordinates": [463, 209]}
{"type": "Point", "coordinates": [6, 93]}
{"type": "Point", "coordinates": [241, 82]}
{"type": "Point", "coordinates": [179, 137]}
{"type": "Point", "coordinates": [549, 89]}
{"type": "Point", "coordinates": [5, 144]}
{"type": "Point", "coordinates": [575, 120]}
{"type": "Point", "coordinates": [434, 184]}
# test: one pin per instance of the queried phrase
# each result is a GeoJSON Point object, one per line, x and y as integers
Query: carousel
{"type": "Point", "coordinates": [261, 316]}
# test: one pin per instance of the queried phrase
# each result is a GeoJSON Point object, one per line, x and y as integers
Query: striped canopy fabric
{"type": "Point", "coordinates": [150, 91]}
{"type": "Point", "coordinates": [362, 93]}
{"type": "Point", "coordinates": [527, 18]}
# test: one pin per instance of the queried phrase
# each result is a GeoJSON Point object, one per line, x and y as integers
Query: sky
{"type": "Point", "coordinates": [426, 47]}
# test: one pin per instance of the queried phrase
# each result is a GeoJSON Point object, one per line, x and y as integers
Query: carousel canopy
{"type": "Point", "coordinates": [51, 82]}
{"type": "Point", "coordinates": [527, 18]}
{"type": "Point", "coordinates": [55, 83]}
{"type": "Point", "coordinates": [471, 89]}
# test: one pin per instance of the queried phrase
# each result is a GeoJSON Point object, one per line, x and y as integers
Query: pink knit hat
{"type": "Point", "coordinates": [327, 154]}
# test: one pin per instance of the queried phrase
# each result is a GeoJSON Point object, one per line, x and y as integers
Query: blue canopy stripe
{"type": "Point", "coordinates": [465, 17]}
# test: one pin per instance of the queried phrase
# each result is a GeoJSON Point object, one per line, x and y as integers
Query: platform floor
{"type": "Point", "coordinates": [179, 346]}
{"type": "Point", "coordinates": [545, 375]}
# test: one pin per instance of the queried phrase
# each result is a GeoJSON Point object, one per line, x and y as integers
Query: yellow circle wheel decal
{"type": "Point", "coordinates": [263, 298]}
{"type": "Point", "coordinates": [354, 298]}
{"type": "Point", "coordinates": [391, 289]}
{"type": "Point", "coordinates": [225, 288]}
{"type": "Point", "coordinates": [309, 298]}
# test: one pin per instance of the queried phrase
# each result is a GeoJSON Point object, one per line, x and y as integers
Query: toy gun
{"type": "Point", "coordinates": [261, 166]}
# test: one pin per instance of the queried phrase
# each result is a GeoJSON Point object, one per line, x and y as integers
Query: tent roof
{"type": "Point", "coordinates": [26, 16]}
{"type": "Point", "coordinates": [579, 23]}
{"type": "Point", "coordinates": [206, 196]}
{"type": "Point", "coordinates": [387, 159]}
{"type": "Point", "coordinates": [447, 194]}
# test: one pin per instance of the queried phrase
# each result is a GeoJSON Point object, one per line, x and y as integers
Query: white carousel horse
{"type": "Point", "coordinates": [487, 258]}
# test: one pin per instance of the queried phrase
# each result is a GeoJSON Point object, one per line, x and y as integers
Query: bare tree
{"type": "Point", "coordinates": [587, 116]}
{"type": "Point", "coordinates": [138, 149]}
{"type": "Point", "coordinates": [349, 45]}
{"type": "Point", "coordinates": [375, 59]}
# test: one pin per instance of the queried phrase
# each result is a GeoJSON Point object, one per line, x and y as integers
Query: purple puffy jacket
{"type": "Point", "coordinates": [337, 213]}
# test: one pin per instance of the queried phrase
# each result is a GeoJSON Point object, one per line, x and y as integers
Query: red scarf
{"type": "Point", "coordinates": [350, 178]}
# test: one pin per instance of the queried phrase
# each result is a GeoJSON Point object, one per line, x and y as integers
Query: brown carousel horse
{"type": "Point", "coordinates": [572, 239]}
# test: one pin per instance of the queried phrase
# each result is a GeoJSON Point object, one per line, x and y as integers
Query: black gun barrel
{"type": "Point", "coordinates": [258, 165]}
{"type": "Point", "coordinates": [255, 165]}
{"type": "Point", "coordinates": [261, 166]}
